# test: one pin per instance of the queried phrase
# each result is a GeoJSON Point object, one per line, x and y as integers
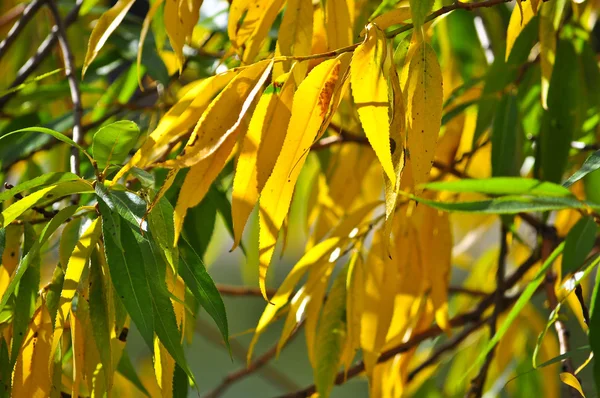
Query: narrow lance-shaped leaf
{"type": "Point", "coordinates": [193, 272]}
{"type": "Point", "coordinates": [38, 182]}
{"type": "Point", "coordinates": [338, 23]}
{"type": "Point", "coordinates": [224, 116]}
{"type": "Point", "coordinates": [592, 163]}
{"type": "Point", "coordinates": [180, 18]}
{"type": "Point", "coordinates": [310, 110]}
{"type": "Point", "coordinates": [106, 25]}
{"type": "Point", "coordinates": [331, 336]}
{"type": "Point", "coordinates": [502, 186]}
{"type": "Point", "coordinates": [519, 18]}
{"type": "Point", "coordinates": [423, 90]}
{"type": "Point", "coordinates": [73, 274]}
{"type": "Point", "coordinates": [295, 37]}
{"type": "Point", "coordinates": [33, 252]}
{"type": "Point", "coordinates": [261, 146]}
{"type": "Point", "coordinates": [370, 92]}
{"type": "Point", "coordinates": [578, 244]}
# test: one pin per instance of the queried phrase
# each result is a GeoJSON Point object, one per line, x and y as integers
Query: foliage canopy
{"type": "Point", "coordinates": [437, 162]}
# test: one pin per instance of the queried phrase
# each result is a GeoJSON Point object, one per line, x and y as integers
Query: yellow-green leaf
{"type": "Point", "coordinates": [331, 336]}
{"type": "Point", "coordinates": [572, 381]}
{"type": "Point", "coordinates": [178, 120]}
{"type": "Point", "coordinates": [261, 146]}
{"type": "Point", "coordinates": [106, 25]}
{"type": "Point", "coordinates": [224, 115]}
{"type": "Point", "coordinates": [73, 275]}
{"type": "Point", "coordinates": [30, 377]}
{"type": "Point", "coordinates": [423, 90]}
{"type": "Point", "coordinates": [295, 36]}
{"type": "Point", "coordinates": [310, 114]}
{"type": "Point", "coordinates": [420, 9]}
{"type": "Point", "coordinates": [371, 95]}
{"type": "Point", "coordinates": [391, 18]}
{"type": "Point", "coordinates": [180, 18]}
{"type": "Point", "coordinates": [338, 23]}
{"type": "Point", "coordinates": [519, 18]}
{"type": "Point", "coordinates": [143, 33]}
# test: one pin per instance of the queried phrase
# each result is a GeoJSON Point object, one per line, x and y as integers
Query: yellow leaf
{"type": "Point", "coordinates": [106, 25]}
{"type": "Point", "coordinates": [78, 337]}
{"type": "Point", "coordinates": [73, 274]}
{"type": "Point", "coordinates": [397, 143]}
{"type": "Point", "coordinates": [435, 243]}
{"type": "Point", "coordinates": [424, 92]}
{"type": "Point", "coordinates": [319, 38]}
{"type": "Point", "coordinates": [180, 18]}
{"type": "Point", "coordinates": [143, 33]}
{"type": "Point", "coordinates": [31, 377]}
{"type": "Point", "coordinates": [314, 256]}
{"type": "Point", "coordinates": [314, 103]}
{"type": "Point", "coordinates": [391, 18]}
{"type": "Point", "coordinates": [371, 96]}
{"type": "Point", "coordinates": [164, 369]}
{"type": "Point", "coordinates": [378, 305]}
{"type": "Point", "coordinates": [519, 18]}
{"type": "Point", "coordinates": [262, 143]}
{"type": "Point", "coordinates": [355, 283]}
{"type": "Point", "coordinates": [572, 381]}
{"type": "Point", "coordinates": [178, 120]}
{"type": "Point", "coordinates": [316, 285]}
{"type": "Point", "coordinates": [295, 35]}
{"type": "Point", "coordinates": [338, 23]}
{"type": "Point", "coordinates": [11, 255]}
{"type": "Point", "coordinates": [198, 180]}
{"type": "Point", "coordinates": [223, 116]}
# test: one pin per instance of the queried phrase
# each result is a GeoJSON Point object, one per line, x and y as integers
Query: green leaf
{"type": "Point", "coordinates": [523, 300]}
{"type": "Point", "coordinates": [68, 240]}
{"type": "Point", "coordinates": [331, 336]}
{"type": "Point", "coordinates": [98, 312]}
{"type": "Point", "coordinates": [592, 163]}
{"type": "Point", "coordinates": [127, 271]}
{"type": "Point", "coordinates": [506, 133]}
{"type": "Point", "coordinates": [112, 143]}
{"type": "Point", "coordinates": [2, 241]}
{"type": "Point", "coordinates": [181, 383]}
{"type": "Point", "coordinates": [502, 186]}
{"type": "Point", "coordinates": [578, 244]}
{"type": "Point", "coordinates": [162, 228]}
{"type": "Point", "coordinates": [55, 134]}
{"type": "Point", "coordinates": [594, 332]}
{"type": "Point", "coordinates": [5, 370]}
{"type": "Point", "coordinates": [193, 272]}
{"type": "Point", "coordinates": [505, 204]}
{"type": "Point", "coordinates": [54, 291]}
{"type": "Point", "coordinates": [37, 182]}
{"type": "Point", "coordinates": [551, 319]}
{"type": "Point", "coordinates": [26, 295]}
{"type": "Point", "coordinates": [126, 369]}
{"type": "Point", "coordinates": [420, 9]}
{"type": "Point", "coordinates": [559, 123]}
{"type": "Point", "coordinates": [50, 193]}
{"type": "Point", "coordinates": [28, 82]}
{"type": "Point", "coordinates": [48, 230]}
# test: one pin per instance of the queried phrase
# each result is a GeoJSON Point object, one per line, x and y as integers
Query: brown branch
{"type": "Point", "coordinates": [240, 374]}
{"type": "Point", "coordinates": [18, 27]}
{"type": "Point", "coordinates": [69, 61]}
{"type": "Point", "coordinates": [42, 52]}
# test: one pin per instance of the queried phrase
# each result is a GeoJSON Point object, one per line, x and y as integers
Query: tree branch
{"type": "Point", "coordinates": [69, 61]}
{"type": "Point", "coordinates": [28, 13]}
{"type": "Point", "coordinates": [42, 52]}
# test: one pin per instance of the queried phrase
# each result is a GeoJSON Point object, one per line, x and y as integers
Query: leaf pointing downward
{"type": "Point", "coordinates": [310, 114]}
{"type": "Point", "coordinates": [370, 91]}
{"type": "Point", "coordinates": [106, 25]}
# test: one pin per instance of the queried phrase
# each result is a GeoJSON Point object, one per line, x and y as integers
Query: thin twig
{"type": "Point", "coordinates": [447, 346]}
{"type": "Point", "coordinates": [227, 290]}
{"type": "Point", "coordinates": [69, 61]}
{"type": "Point", "coordinates": [42, 52]}
{"type": "Point", "coordinates": [256, 365]}
{"type": "Point", "coordinates": [478, 383]}
{"type": "Point", "coordinates": [18, 27]}
{"type": "Point", "coordinates": [561, 330]}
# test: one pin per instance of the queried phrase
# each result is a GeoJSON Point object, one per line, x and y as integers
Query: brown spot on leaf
{"type": "Point", "coordinates": [327, 91]}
